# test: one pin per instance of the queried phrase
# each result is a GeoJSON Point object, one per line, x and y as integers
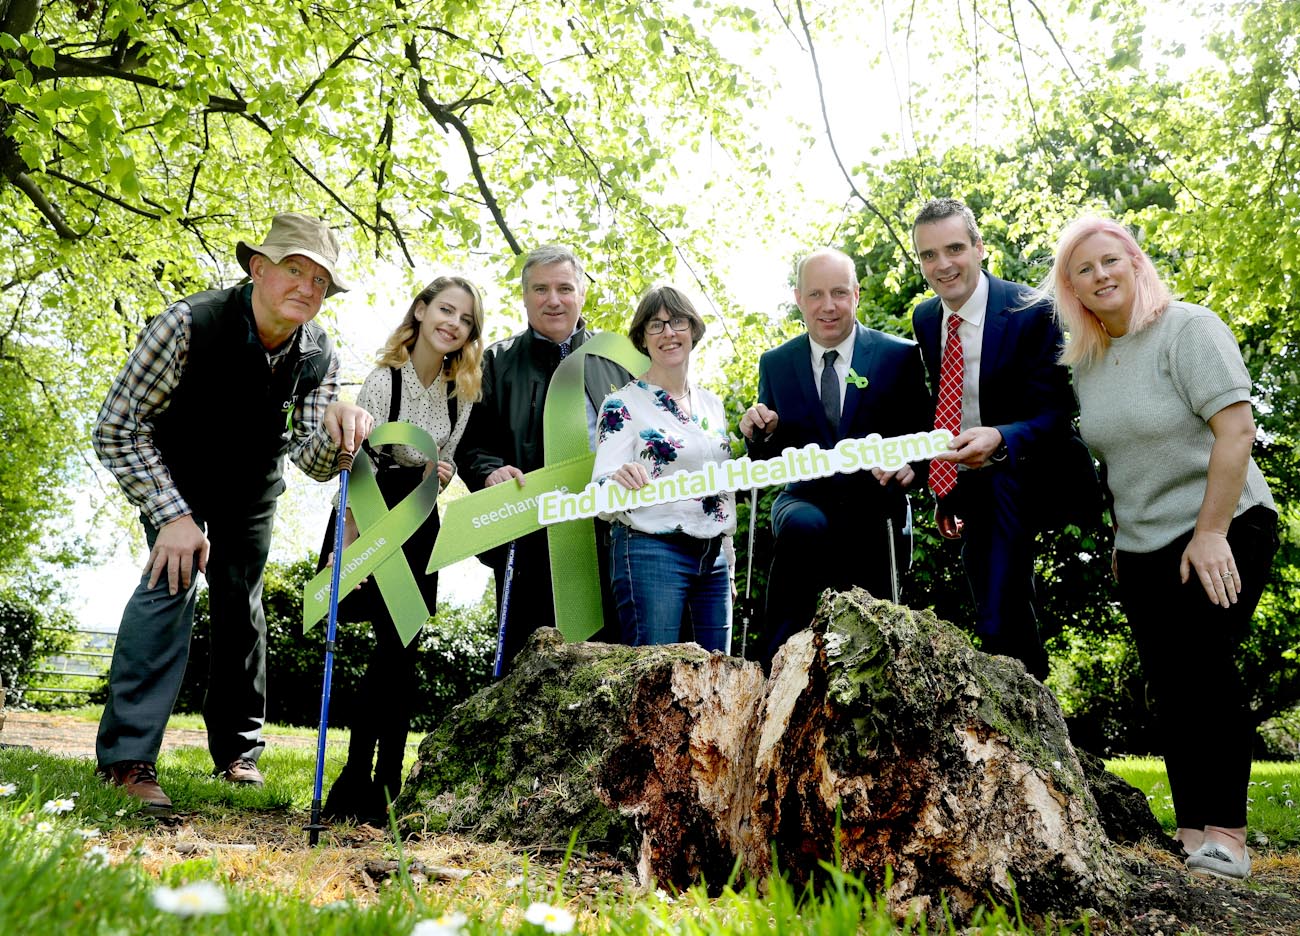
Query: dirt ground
{"type": "Point", "coordinates": [1164, 900]}
{"type": "Point", "coordinates": [75, 737]}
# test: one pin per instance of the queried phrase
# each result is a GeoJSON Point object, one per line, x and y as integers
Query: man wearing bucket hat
{"type": "Point", "coordinates": [195, 428]}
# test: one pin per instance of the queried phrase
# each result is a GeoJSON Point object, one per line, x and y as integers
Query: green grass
{"type": "Point", "coordinates": [1273, 810]}
{"type": "Point", "coordinates": [50, 881]}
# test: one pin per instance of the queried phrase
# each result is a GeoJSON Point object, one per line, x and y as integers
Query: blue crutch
{"type": "Point", "coordinates": [345, 469]}
{"type": "Point", "coordinates": [503, 612]}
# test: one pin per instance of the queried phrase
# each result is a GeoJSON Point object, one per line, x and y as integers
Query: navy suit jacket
{"type": "Point", "coordinates": [894, 402]}
{"type": "Point", "coordinates": [1023, 392]}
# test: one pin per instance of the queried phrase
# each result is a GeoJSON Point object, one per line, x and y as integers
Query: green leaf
{"type": "Point", "coordinates": [31, 154]}
{"type": "Point", "coordinates": [43, 56]}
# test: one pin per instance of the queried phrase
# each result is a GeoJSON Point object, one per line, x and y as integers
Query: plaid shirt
{"type": "Point", "coordinates": [123, 433]}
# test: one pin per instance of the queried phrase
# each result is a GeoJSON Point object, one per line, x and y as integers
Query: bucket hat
{"type": "Point", "coordinates": [294, 233]}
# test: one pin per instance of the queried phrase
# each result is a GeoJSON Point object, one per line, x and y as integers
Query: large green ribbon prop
{"type": "Point", "coordinates": [378, 549]}
{"type": "Point", "coordinates": [572, 546]}
{"type": "Point", "coordinates": [501, 513]}
{"type": "Point", "coordinates": [507, 511]}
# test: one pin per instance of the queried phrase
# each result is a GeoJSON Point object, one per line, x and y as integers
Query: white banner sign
{"type": "Point", "coordinates": [739, 474]}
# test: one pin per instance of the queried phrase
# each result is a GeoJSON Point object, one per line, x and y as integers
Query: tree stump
{"type": "Point", "coordinates": [642, 752]}
{"type": "Point", "coordinates": [951, 767]}
{"type": "Point", "coordinates": [947, 772]}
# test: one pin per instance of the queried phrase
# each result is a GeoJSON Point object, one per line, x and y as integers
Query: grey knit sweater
{"type": "Point", "coordinates": [1144, 411]}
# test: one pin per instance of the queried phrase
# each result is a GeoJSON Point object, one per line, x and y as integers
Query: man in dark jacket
{"type": "Point", "coordinates": [991, 351]}
{"type": "Point", "coordinates": [195, 428]}
{"type": "Point", "coordinates": [503, 440]}
{"type": "Point", "coordinates": [834, 532]}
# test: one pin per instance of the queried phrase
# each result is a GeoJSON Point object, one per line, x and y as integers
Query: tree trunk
{"type": "Point", "coordinates": [951, 767]}
{"type": "Point", "coordinates": [946, 773]}
{"type": "Point", "coordinates": [640, 752]}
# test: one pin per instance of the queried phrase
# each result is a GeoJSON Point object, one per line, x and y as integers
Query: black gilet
{"type": "Point", "coordinates": [224, 434]}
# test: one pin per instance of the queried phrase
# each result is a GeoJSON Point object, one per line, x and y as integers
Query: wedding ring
{"type": "Point", "coordinates": [1226, 576]}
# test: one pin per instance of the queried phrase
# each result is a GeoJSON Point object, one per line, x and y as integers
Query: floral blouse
{"type": "Point", "coordinates": [642, 423]}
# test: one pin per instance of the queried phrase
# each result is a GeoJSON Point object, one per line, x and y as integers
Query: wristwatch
{"type": "Point", "coordinates": [1000, 454]}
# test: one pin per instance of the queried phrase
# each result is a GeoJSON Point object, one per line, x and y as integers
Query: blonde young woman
{"type": "Point", "coordinates": [1164, 402]}
{"type": "Point", "coordinates": [428, 373]}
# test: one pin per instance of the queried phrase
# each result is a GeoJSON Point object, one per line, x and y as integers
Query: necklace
{"type": "Point", "coordinates": [684, 401]}
{"type": "Point", "coordinates": [681, 400]}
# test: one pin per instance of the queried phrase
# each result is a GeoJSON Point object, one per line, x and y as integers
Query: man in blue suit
{"type": "Point", "coordinates": [833, 532]}
{"type": "Point", "coordinates": [1015, 409]}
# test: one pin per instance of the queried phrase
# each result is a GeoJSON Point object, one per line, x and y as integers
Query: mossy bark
{"type": "Point", "coordinates": [640, 751]}
{"type": "Point", "coordinates": [948, 774]}
{"type": "Point", "coordinates": [948, 771]}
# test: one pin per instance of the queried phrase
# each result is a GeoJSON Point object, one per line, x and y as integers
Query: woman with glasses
{"type": "Point", "coordinates": [671, 564]}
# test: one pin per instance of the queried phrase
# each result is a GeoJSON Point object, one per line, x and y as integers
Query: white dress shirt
{"type": "Point", "coordinates": [843, 363]}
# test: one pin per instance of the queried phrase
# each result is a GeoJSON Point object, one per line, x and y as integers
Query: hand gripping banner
{"type": "Point", "coordinates": [378, 549]}
{"type": "Point", "coordinates": [507, 511]}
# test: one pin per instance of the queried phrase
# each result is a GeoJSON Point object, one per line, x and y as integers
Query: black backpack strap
{"type": "Point", "coordinates": [395, 399]}
{"type": "Point", "coordinates": [451, 404]}
{"type": "Point", "coordinates": [381, 455]}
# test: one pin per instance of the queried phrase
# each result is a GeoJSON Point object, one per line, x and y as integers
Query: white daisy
{"type": "Point", "coordinates": [197, 899]}
{"type": "Point", "coordinates": [449, 924]}
{"type": "Point", "coordinates": [551, 919]}
{"type": "Point", "coordinates": [97, 854]}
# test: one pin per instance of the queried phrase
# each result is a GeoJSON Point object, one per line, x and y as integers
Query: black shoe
{"type": "Point", "coordinates": [355, 797]}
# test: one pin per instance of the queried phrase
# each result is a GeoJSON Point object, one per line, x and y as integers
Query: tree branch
{"type": "Point", "coordinates": [785, 20]}
{"type": "Point", "coordinates": [19, 17]}
{"type": "Point", "coordinates": [99, 193]}
{"type": "Point", "coordinates": [830, 137]}
{"type": "Point", "coordinates": [1133, 135]}
{"type": "Point", "coordinates": [338, 60]}
{"type": "Point", "coordinates": [67, 66]}
{"type": "Point", "coordinates": [1020, 54]}
{"type": "Point", "coordinates": [262, 125]}
{"type": "Point", "coordinates": [382, 215]}
{"type": "Point", "coordinates": [444, 118]}
{"type": "Point", "coordinates": [705, 288]}
{"type": "Point", "coordinates": [25, 184]}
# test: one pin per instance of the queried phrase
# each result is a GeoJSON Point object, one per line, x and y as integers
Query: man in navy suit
{"type": "Point", "coordinates": [832, 532]}
{"type": "Point", "coordinates": [1016, 411]}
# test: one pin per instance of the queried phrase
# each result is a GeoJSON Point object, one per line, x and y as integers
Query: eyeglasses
{"type": "Point", "coordinates": [677, 323]}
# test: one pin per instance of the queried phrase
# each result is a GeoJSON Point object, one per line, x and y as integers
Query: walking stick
{"type": "Point", "coordinates": [893, 558]}
{"type": "Point", "coordinates": [345, 469]}
{"type": "Point", "coordinates": [503, 612]}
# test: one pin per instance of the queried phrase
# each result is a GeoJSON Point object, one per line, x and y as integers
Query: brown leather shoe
{"type": "Point", "coordinates": [241, 770]}
{"type": "Point", "coordinates": [138, 779]}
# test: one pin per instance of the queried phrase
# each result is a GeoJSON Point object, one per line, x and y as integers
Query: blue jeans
{"type": "Point", "coordinates": [670, 588]}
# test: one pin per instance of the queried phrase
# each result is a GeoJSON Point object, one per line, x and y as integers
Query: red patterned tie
{"type": "Point", "coordinates": [947, 415]}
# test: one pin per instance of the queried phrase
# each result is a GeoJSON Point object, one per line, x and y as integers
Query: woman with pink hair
{"type": "Point", "coordinates": [1164, 400]}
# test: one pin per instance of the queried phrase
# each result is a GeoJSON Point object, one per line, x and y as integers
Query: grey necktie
{"type": "Point", "coordinates": [831, 390]}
